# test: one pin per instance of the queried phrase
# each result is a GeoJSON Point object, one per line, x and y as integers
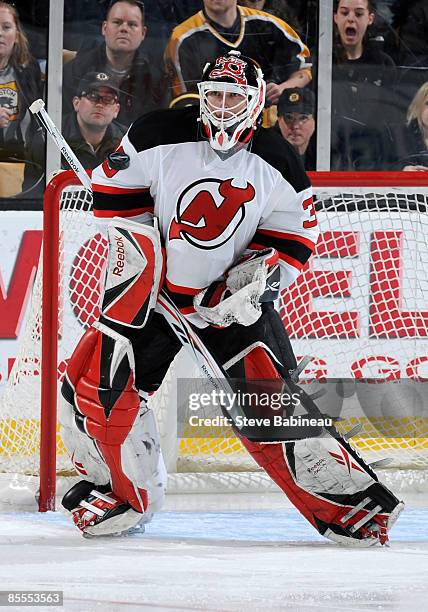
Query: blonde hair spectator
{"type": "Point", "coordinates": [416, 110]}
{"type": "Point", "coordinates": [408, 141]}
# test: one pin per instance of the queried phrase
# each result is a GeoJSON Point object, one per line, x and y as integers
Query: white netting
{"type": "Point", "coordinates": [358, 309]}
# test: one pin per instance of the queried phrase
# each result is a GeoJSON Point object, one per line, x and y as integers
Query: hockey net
{"type": "Point", "coordinates": [359, 310]}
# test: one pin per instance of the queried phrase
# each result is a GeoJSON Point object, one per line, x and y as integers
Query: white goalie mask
{"type": "Point", "coordinates": [232, 96]}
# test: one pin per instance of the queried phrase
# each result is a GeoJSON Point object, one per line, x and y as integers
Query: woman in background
{"type": "Point", "coordinates": [362, 94]}
{"type": "Point", "coordinates": [20, 85]}
{"type": "Point", "coordinates": [356, 56]}
{"type": "Point", "coordinates": [412, 145]}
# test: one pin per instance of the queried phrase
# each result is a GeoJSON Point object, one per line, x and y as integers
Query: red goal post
{"type": "Point", "coordinates": [360, 211]}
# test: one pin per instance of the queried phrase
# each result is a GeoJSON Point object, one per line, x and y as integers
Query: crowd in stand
{"type": "Point", "coordinates": [123, 58]}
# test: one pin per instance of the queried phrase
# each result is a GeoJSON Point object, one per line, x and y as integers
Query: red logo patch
{"type": "Point", "coordinates": [209, 212]}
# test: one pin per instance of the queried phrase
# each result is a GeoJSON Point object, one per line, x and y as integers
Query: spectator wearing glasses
{"type": "Point", "coordinates": [92, 130]}
{"type": "Point", "coordinates": [121, 55]}
{"type": "Point", "coordinates": [223, 26]}
{"type": "Point", "coordinates": [296, 122]}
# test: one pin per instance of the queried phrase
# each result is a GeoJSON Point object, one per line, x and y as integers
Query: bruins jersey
{"type": "Point", "coordinates": [209, 209]}
{"type": "Point", "coordinates": [265, 38]}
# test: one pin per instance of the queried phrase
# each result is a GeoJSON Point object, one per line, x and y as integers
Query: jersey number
{"type": "Point", "coordinates": [312, 221]}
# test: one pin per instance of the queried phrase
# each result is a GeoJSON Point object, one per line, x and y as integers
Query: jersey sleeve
{"type": "Point", "coordinates": [121, 188]}
{"type": "Point", "coordinates": [290, 226]}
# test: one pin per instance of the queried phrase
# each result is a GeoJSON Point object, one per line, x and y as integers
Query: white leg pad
{"type": "Point", "coordinates": [141, 455]}
{"type": "Point", "coordinates": [82, 449]}
{"type": "Point", "coordinates": [142, 460]}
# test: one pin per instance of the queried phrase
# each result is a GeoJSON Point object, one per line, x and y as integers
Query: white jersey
{"type": "Point", "coordinates": [209, 210]}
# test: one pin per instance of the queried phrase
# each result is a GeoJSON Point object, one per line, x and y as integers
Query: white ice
{"type": "Point", "coordinates": [217, 552]}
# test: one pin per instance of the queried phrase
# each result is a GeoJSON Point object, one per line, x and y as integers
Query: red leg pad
{"type": "Point", "coordinates": [327, 481]}
{"type": "Point", "coordinates": [99, 384]}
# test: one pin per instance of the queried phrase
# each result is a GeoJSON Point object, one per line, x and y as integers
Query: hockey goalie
{"type": "Point", "coordinates": [218, 211]}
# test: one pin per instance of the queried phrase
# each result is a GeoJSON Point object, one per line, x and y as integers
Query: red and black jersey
{"type": "Point", "coordinates": [209, 209]}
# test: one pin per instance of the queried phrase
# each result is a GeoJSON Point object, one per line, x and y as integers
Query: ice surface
{"type": "Point", "coordinates": [236, 552]}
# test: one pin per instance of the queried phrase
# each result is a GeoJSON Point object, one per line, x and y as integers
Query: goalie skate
{"type": "Point", "coordinates": [99, 512]}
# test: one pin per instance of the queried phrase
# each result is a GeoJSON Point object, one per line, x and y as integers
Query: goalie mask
{"type": "Point", "coordinates": [232, 95]}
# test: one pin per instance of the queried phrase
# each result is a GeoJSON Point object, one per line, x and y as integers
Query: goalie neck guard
{"type": "Point", "coordinates": [232, 95]}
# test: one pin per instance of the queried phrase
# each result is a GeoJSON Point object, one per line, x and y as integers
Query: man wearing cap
{"type": "Point", "coordinates": [91, 130]}
{"type": "Point", "coordinates": [296, 122]}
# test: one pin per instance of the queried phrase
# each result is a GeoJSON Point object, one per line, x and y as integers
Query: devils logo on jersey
{"type": "Point", "coordinates": [229, 67]}
{"type": "Point", "coordinates": [209, 212]}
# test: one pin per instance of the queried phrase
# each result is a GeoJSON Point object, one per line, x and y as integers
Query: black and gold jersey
{"type": "Point", "coordinates": [256, 34]}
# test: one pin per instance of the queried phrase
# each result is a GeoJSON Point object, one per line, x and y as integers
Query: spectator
{"type": "Point", "coordinates": [411, 141]}
{"type": "Point", "coordinates": [91, 130]}
{"type": "Point", "coordinates": [20, 85]}
{"type": "Point", "coordinates": [296, 122]}
{"type": "Point", "coordinates": [279, 8]}
{"type": "Point", "coordinates": [363, 82]}
{"type": "Point", "coordinates": [121, 55]}
{"type": "Point", "coordinates": [355, 60]}
{"type": "Point", "coordinates": [221, 27]}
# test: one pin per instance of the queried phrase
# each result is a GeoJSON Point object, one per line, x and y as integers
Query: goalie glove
{"type": "Point", "coordinates": [236, 297]}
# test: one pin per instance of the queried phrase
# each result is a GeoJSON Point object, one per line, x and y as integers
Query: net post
{"type": "Point", "coordinates": [49, 353]}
